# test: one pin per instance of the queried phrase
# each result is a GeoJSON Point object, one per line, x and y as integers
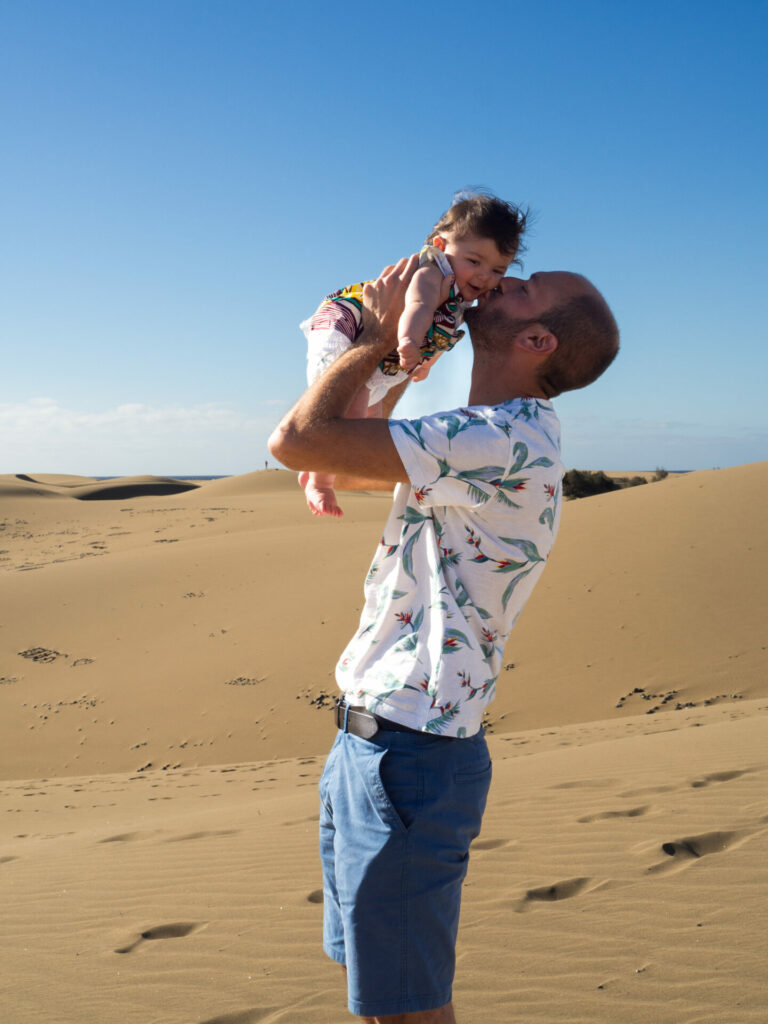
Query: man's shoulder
{"type": "Point", "coordinates": [528, 416]}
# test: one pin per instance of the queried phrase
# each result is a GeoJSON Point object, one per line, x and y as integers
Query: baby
{"type": "Point", "coordinates": [473, 243]}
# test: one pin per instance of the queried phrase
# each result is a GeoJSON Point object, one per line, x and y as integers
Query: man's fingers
{"type": "Point", "coordinates": [403, 270]}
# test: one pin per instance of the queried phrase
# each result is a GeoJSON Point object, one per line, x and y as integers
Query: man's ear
{"type": "Point", "coordinates": [537, 340]}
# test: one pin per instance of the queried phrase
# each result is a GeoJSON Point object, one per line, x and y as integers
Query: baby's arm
{"type": "Point", "coordinates": [421, 301]}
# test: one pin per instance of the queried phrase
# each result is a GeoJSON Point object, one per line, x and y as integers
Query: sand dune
{"type": "Point", "coordinates": [165, 670]}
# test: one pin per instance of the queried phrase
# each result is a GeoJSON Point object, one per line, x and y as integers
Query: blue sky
{"type": "Point", "coordinates": [183, 181]}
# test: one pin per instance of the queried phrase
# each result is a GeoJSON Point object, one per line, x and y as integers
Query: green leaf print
{"type": "Point", "coordinates": [453, 426]}
{"type": "Point", "coordinates": [513, 583]}
{"type": "Point", "coordinates": [488, 474]}
{"type": "Point", "coordinates": [407, 559]}
{"type": "Point", "coordinates": [407, 643]}
{"type": "Point", "coordinates": [513, 483]}
{"type": "Point", "coordinates": [520, 452]}
{"type": "Point", "coordinates": [543, 461]}
{"type": "Point", "coordinates": [447, 714]}
{"type": "Point", "coordinates": [479, 497]}
{"type": "Point", "coordinates": [462, 594]}
{"type": "Point", "coordinates": [505, 500]}
{"type": "Point", "coordinates": [507, 565]}
{"type": "Point", "coordinates": [453, 639]}
{"type": "Point", "coordinates": [528, 548]}
{"type": "Point", "coordinates": [412, 429]}
{"type": "Point", "coordinates": [547, 518]}
{"type": "Point", "coordinates": [384, 695]}
{"type": "Point", "coordinates": [413, 515]}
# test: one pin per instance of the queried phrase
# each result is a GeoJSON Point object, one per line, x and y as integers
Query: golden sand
{"type": "Point", "coordinates": [166, 652]}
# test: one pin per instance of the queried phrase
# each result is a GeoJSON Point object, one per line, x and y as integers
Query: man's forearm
{"type": "Point", "coordinates": [327, 400]}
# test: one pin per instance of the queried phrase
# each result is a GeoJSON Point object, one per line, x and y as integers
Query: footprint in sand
{"type": "Point", "coordinates": [311, 820]}
{"type": "Point", "coordinates": [707, 780]}
{"type": "Point", "coordinates": [163, 931]}
{"type": "Point", "coordinates": [584, 784]}
{"type": "Point", "coordinates": [251, 1016]}
{"type": "Point", "coordinates": [202, 835]}
{"type": "Point", "coordinates": [491, 844]}
{"type": "Point", "coordinates": [563, 890]}
{"type": "Point", "coordinates": [679, 853]}
{"type": "Point", "coordinates": [630, 812]}
{"type": "Point", "coordinates": [126, 837]}
{"type": "Point", "coordinates": [646, 791]}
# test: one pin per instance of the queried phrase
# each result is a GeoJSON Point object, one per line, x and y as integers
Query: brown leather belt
{"type": "Point", "coordinates": [361, 722]}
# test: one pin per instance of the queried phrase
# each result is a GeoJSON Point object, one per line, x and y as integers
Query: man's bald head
{"type": "Point", "coordinates": [587, 340]}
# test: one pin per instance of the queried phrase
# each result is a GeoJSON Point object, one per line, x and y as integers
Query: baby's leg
{"type": "Point", "coordinates": [422, 372]}
{"type": "Point", "coordinates": [318, 487]}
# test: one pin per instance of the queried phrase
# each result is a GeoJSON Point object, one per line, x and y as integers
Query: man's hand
{"type": "Point", "coordinates": [383, 302]}
{"type": "Point", "coordinates": [315, 433]}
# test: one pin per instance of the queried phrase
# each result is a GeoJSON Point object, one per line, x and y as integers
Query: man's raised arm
{"type": "Point", "coordinates": [314, 434]}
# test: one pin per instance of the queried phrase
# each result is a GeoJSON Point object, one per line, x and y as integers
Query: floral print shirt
{"type": "Point", "coordinates": [463, 547]}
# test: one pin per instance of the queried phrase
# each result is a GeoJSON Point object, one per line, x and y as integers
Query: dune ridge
{"type": "Point", "coordinates": [166, 669]}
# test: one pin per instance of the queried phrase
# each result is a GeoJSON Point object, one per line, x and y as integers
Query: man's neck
{"type": "Point", "coordinates": [492, 384]}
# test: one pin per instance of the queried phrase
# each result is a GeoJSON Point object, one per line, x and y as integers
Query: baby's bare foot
{"type": "Point", "coordinates": [409, 353]}
{"type": "Point", "coordinates": [321, 500]}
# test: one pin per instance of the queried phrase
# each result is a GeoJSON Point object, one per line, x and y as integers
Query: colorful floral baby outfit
{"type": "Point", "coordinates": [338, 323]}
{"type": "Point", "coordinates": [462, 549]}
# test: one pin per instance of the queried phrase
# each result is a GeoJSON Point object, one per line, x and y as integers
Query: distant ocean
{"type": "Point", "coordinates": [222, 476]}
{"type": "Point", "coordinates": [173, 476]}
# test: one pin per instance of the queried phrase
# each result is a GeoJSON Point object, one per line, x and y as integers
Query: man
{"type": "Point", "coordinates": [473, 519]}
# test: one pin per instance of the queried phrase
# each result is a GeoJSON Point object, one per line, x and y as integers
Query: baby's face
{"type": "Point", "coordinates": [477, 263]}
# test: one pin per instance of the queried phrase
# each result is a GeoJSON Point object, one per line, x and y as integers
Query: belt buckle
{"type": "Point", "coordinates": [359, 722]}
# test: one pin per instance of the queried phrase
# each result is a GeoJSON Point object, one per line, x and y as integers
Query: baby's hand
{"type": "Point", "coordinates": [409, 352]}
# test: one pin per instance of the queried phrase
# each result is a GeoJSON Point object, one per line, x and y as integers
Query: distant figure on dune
{"type": "Point", "coordinates": [466, 254]}
{"type": "Point", "coordinates": [474, 517]}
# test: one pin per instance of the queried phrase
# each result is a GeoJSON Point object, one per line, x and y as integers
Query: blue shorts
{"type": "Point", "coordinates": [399, 812]}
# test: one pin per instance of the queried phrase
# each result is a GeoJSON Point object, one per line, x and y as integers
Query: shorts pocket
{"type": "Point", "coordinates": [477, 775]}
{"type": "Point", "coordinates": [324, 783]}
{"type": "Point", "coordinates": [402, 784]}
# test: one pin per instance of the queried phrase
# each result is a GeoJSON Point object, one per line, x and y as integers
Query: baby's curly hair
{"type": "Point", "coordinates": [485, 215]}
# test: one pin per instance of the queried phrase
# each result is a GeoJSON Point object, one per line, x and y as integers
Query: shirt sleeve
{"type": "Point", "coordinates": [454, 458]}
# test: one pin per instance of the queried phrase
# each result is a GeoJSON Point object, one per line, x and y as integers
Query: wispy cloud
{"type": "Point", "coordinates": [212, 437]}
{"type": "Point", "coordinates": [600, 442]}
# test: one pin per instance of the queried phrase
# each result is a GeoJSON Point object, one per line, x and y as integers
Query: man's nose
{"type": "Point", "coordinates": [506, 283]}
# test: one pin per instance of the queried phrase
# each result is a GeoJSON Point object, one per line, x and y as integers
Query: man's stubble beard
{"type": "Point", "coordinates": [490, 329]}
